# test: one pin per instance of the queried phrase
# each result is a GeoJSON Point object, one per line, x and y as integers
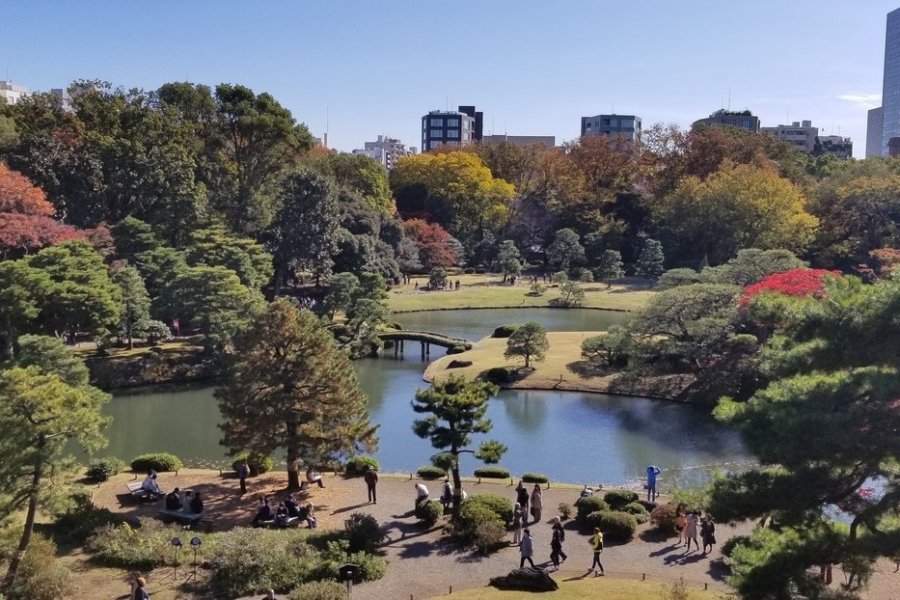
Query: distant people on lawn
{"type": "Point", "coordinates": [312, 476]}
{"type": "Point", "coordinates": [522, 497]}
{"type": "Point", "coordinates": [680, 522]}
{"type": "Point", "coordinates": [518, 517]}
{"type": "Point", "coordinates": [597, 547]}
{"type": "Point", "coordinates": [692, 522]}
{"type": "Point", "coordinates": [652, 472]}
{"type": "Point", "coordinates": [556, 548]}
{"type": "Point", "coordinates": [371, 478]}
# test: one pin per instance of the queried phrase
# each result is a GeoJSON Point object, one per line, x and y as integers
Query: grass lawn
{"type": "Point", "coordinates": [608, 588]}
{"type": "Point", "coordinates": [487, 291]}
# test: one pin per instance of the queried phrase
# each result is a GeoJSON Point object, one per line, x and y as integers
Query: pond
{"type": "Point", "coordinates": [571, 436]}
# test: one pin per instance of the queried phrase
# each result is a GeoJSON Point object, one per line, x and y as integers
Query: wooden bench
{"type": "Point", "coordinates": [289, 522]}
{"type": "Point", "coordinates": [139, 493]}
{"type": "Point", "coordinates": [180, 516]}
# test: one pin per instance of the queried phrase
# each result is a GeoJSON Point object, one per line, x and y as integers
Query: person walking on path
{"type": "Point", "coordinates": [522, 497]}
{"type": "Point", "coordinates": [597, 546]}
{"type": "Point", "coordinates": [243, 472]}
{"type": "Point", "coordinates": [680, 522]}
{"type": "Point", "coordinates": [371, 477]}
{"type": "Point", "coordinates": [708, 533]}
{"type": "Point", "coordinates": [690, 531]}
{"type": "Point", "coordinates": [537, 503]}
{"type": "Point", "coordinates": [556, 549]}
{"type": "Point", "coordinates": [652, 472]}
{"type": "Point", "coordinates": [447, 494]}
{"type": "Point", "coordinates": [518, 517]}
{"type": "Point", "coordinates": [526, 549]}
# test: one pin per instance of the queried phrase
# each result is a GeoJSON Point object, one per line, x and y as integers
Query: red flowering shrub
{"type": "Point", "coordinates": [796, 282]}
{"type": "Point", "coordinates": [434, 243]}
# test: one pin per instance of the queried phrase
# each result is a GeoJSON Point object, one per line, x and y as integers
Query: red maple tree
{"type": "Point", "coordinates": [795, 282]}
{"type": "Point", "coordinates": [434, 243]}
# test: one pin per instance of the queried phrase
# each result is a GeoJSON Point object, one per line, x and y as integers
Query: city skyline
{"type": "Point", "coordinates": [362, 69]}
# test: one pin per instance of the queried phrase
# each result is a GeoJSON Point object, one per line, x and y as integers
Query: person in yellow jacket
{"type": "Point", "coordinates": [597, 544]}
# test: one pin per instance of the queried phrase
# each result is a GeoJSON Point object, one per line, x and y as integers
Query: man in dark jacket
{"type": "Point", "coordinates": [371, 477]}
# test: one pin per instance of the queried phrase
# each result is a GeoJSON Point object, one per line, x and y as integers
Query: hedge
{"type": "Point", "coordinates": [430, 472]}
{"type": "Point", "coordinates": [258, 464]}
{"type": "Point", "coordinates": [614, 524]}
{"type": "Point", "coordinates": [361, 463]}
{"type": "Point", "coordinates": [159, 462]}
{"type": "Point", "coordinates": [619, 498]}
{"type": "Point", "coordinates": [429, 512]}
{"type": "Point", "coordinates": [588, 505]}
{"type": "Point", "coordinates": [663, 516]}
{"type": "Point", "coordinates": [472, 516]}
{"type": "Point", "coordinates": [504, 331]}
{"type": "Point", "coordinates": [103, 468]}
{"type": "Point", "coordinates": [492, 473]}
{"type": "Point", "coordinates": [500, 375]}
{"type": "Point", "coordinates": [535, 478]}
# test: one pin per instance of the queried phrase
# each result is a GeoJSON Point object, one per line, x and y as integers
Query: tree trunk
{"type": "Point", "coordinates": [8, 339]}
{"type": "Point", "coordinates": [457, 484]}
{"type": "Point", "coordinates": [279, 278]}
{"type": "Point", "coordinates": [527, 357]}
{"type": "Point", "coordinates": [17, 556]}
{"type": "Point", "coordinates": [293, 456]}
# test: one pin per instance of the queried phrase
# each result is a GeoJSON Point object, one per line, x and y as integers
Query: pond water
{"type": "Point", "coordinates": [571, 436]}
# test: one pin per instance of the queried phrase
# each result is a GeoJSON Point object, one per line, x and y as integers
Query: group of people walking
{"type": "Point", "coordinates": [689, 523]}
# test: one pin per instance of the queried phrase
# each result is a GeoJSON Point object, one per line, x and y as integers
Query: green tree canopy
{"type": "Point", "coordinates": [22, 293]}
{"type": "Point", "coordinates": [216, 247]}
{"type": "Point", "coordinates": [360, 174]}
{"type": "Point", "coordinates": [456, 409]}
{"type": "Point", "coordinates": [509, 259]}
{"type": "Point", "coordinates": [528, 341]}
{"type": "Point", "coordinates": [135, 302]}
{"type": "Point", "coordinates": [609, 267]}
{"type": "Point", "coordinates": [651, 261]}
{"type": "Point", "coordinates": [289, 386]}
{"type": "Point", "coordinates": [566, 250]}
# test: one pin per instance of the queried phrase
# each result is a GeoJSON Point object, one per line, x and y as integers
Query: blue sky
{"type": "Point", "coordinates": [533, 67]}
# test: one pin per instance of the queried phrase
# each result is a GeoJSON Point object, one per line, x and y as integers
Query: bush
{"type": "Point", "coordinates": [588, 505]}
{"type": "Point", "coordinates": [492, 473]}
{"type": "Point", "coordinates": [537, 289]}
{"type": "Point", "coordinates": [504, 331]}
{"type": "Point", "coordinates": [258, 463]}
{"type": "Point", "coordinates": [641, 514]}
{"type": "Point", "coordinates": [103, 468]}
{"type": "Point", "coordinates": [41, 576]}
{"type": "Point", "coordinates": [500, 506]}
{"type": "Point", "coordinates": [535, 478]}
{"type": "Point", "coordinates": [473, 515]}
{"type": "Point", "coordinates": [155, 332]}
{"type": "Point", "coordinates": [359, 464]}
{"type": "Point", "coordinates": [363, 532]}
{"type": "Point", "coordinates": [663, 517]}
{"type": "Point", "coordinates": [565, 510]}
{"type": "Point", "coordinates": [619, 498]}
{"type": "Point", "coordinates": [733, 542]}
{"type": "Point", "coordinates": [429, 512]}
{"type": "Point", "coordinates": [468, 270]}
{"type": "Point", "coordinates": [489, 537]}
{"type": "Point", "coordinates": [143, 548]}
{"type": "Point", "coordinates": [459, 364]}
{"type": "Point", "coordinates": [614, 524]}
{"type": "Point", "coordinates": [677, 277]}
{"type": "Point", "coordinates": [430, 472]}
{"type": "Point", "coordinates": [500, 375]}
{"type": "Point", "coordinates": [458, 349]}
{"type": "Point", "coordinates": [320, 590]}
{"type": "Point", "coordinates": [158, 461]}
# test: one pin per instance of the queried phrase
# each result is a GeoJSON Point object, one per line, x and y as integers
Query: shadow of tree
{"type": "Point", "coordinates": [585, 369]}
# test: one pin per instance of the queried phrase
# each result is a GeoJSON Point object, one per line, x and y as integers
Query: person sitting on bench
{"type": "Point", "coordinates": [264, 513]}
{"type": "Point", "coordinates": [281, 515]}
{"type": "Point", "coordinates": [151, 486]}
{"type": "Point", "coordinates": [313, 477]}
{"type": "Point", "coordinates": [196, 504]}
{"type": "Point", "coordinates": [290, 503]}
{"type": "Point", "coordinates": [173, 500]}
{"type": "Point", "coordinates": [306, 513]}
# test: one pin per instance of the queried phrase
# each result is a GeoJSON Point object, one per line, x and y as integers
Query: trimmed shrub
{"type": "Point", "coordinates": [535, 478]}
{"type": "Point", "coordinates": [359, 464]}
{"type": "Point", "coordinates": [430, 472]}
{"type": "Point", "coordinates": [41, 576]}
{"type": "Point", "coordinates": [363, 532]}
{"type": "Point", "coordinates": [489, 537]}
{"type": "Point", "coordinates": [619, 498]}
{"type": "Point", "coordinates": [157, 461]}
{"type": "Point", "coordinates": [499, 505]}
{"type": "Point", "coordinates": [565, 511]}
{"type": "Point", "coordinates": [641, 514]}
{"type": "Point", "coordinates": [588, 505]}
{"type": "Point", "coordinates": [504, 331]}
{"type": "Point", "coordinates": [429, 512]}
{"type": "Point", "coordinates": [320, 590]}
{"type": "Point", "coordinates": [733, 542]}
{"type": "Point", "coordinates": [459, 364]}
{"type": "Point", "coordinates": [663, 517]}
{"type": "Point", "coordinates": [457, 349]}
{"type": "Point", "coordinates": [500, 375]}
{"type": "Point", "coordinates": [492, 473]}
{"type": "Point", "coordinates": [155, 332]}
{"type": "Point", "coordinates": [473, 515]}
{"type": "Point", "coordinates": [258, 464]}
{"type": "Point", "coordinates": [468, 270]}
{"type": "Point", "coordinates": [103, 468]}
{"type": "Point", "coordinates": [613, 524]}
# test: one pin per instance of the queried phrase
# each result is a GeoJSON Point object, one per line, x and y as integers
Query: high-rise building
{"type": "Point", "coordinates": [386, 150]}
{"type": "Point", "coordinates": [459, 128]}
{"type": "Point", "coordinates": [11, 92]}
{"type": "Point", "coordinates": [888, 115]}
{"type": "Point", "coordinates": [801, 135]}
{"type": "Point", "coordinates": [612, 125]}
{"type": "Point", "coordinates": [725, 118]}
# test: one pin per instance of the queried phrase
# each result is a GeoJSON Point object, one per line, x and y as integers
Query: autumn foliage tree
{"type": "Point", "coordinates": [436, 246]}
{"type": "Point", "coordinates": [26, 217]}
{"type": "Point", "coordinates": [795, 282]}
